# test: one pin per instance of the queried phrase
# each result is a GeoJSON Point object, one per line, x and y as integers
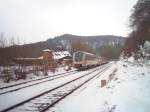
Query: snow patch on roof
{"type": "Point", "coordinates": [60, 54]}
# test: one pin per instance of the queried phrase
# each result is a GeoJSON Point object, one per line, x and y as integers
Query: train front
{"type": "Point", "coordinates": [78, 60]}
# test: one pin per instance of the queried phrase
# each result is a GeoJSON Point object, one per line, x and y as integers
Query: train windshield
{"type": "Point", "coordinates": [79, 56]}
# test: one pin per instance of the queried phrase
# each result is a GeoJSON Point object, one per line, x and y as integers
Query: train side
{"type": "Point", "coordinates": [86, 60]}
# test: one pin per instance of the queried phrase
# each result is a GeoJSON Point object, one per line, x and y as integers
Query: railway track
{"type": "Point", "coordinates": [23, 85]}
{"type": "Point", "coordinates": [47, 99]}
{"type": "Point", "coordinates": [34, 80]}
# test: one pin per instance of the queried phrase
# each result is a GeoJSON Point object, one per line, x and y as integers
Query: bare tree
{"type": "Point", "coordinates": [3, 41]}
{"type": "Point", "coordinates": [12, 41]}
{"type": "Point", "coordinates": [81, 46]}
{"type": "Point", "coordinates": [18, 41]}
{"type": "Point", "coordinates": [140, 25]}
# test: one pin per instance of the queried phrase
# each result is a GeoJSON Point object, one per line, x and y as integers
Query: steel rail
{"type": "Point", "coordinates": [16, 89]}
{"type": "Point", "coordinates": [48, 91]}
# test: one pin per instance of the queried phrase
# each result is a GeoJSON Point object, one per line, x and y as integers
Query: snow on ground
{"type": "Point", "coordinates": [32, 76]}
{"type": "Point", "coordinates": [129, 91]}
{"type": "Point", "coordinates": [26, 93]}
{"type": "Point", "coordinates": [86, 99]}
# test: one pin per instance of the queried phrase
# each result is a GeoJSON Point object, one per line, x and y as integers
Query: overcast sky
{"type": "Point", "coordinates": [37, 20]}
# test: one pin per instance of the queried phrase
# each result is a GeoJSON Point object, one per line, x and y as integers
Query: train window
{"type": "Point", "coordinates": [90, 57]}
{"type": "Point", "coordinates": [79, 56]}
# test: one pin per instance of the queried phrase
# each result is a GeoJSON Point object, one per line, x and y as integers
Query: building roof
{"type": "Point", "coordinates": [84, 52]}
{"type": "Point", "coordinates": [61, 54]}
{"type": "Point", "coordinates": [56, 55]}
{"type": "Point", "coordinates": [47, 50]}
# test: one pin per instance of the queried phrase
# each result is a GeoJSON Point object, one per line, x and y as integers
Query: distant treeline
{"type": "Point", "coordinates": [107, 46]}
{"type": "Point", "coordinates": [9, 53]}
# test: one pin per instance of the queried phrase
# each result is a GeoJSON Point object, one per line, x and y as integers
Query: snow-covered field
{"type": "Point", "coordinates": [32, 76]}
{"type": "Point", "coordinates": [129, 91]}
{"type": "Point", "coordinates": [21, 95]}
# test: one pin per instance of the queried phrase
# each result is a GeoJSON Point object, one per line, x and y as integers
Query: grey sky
{"type": "Point", "coordinates": [37, 20]}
